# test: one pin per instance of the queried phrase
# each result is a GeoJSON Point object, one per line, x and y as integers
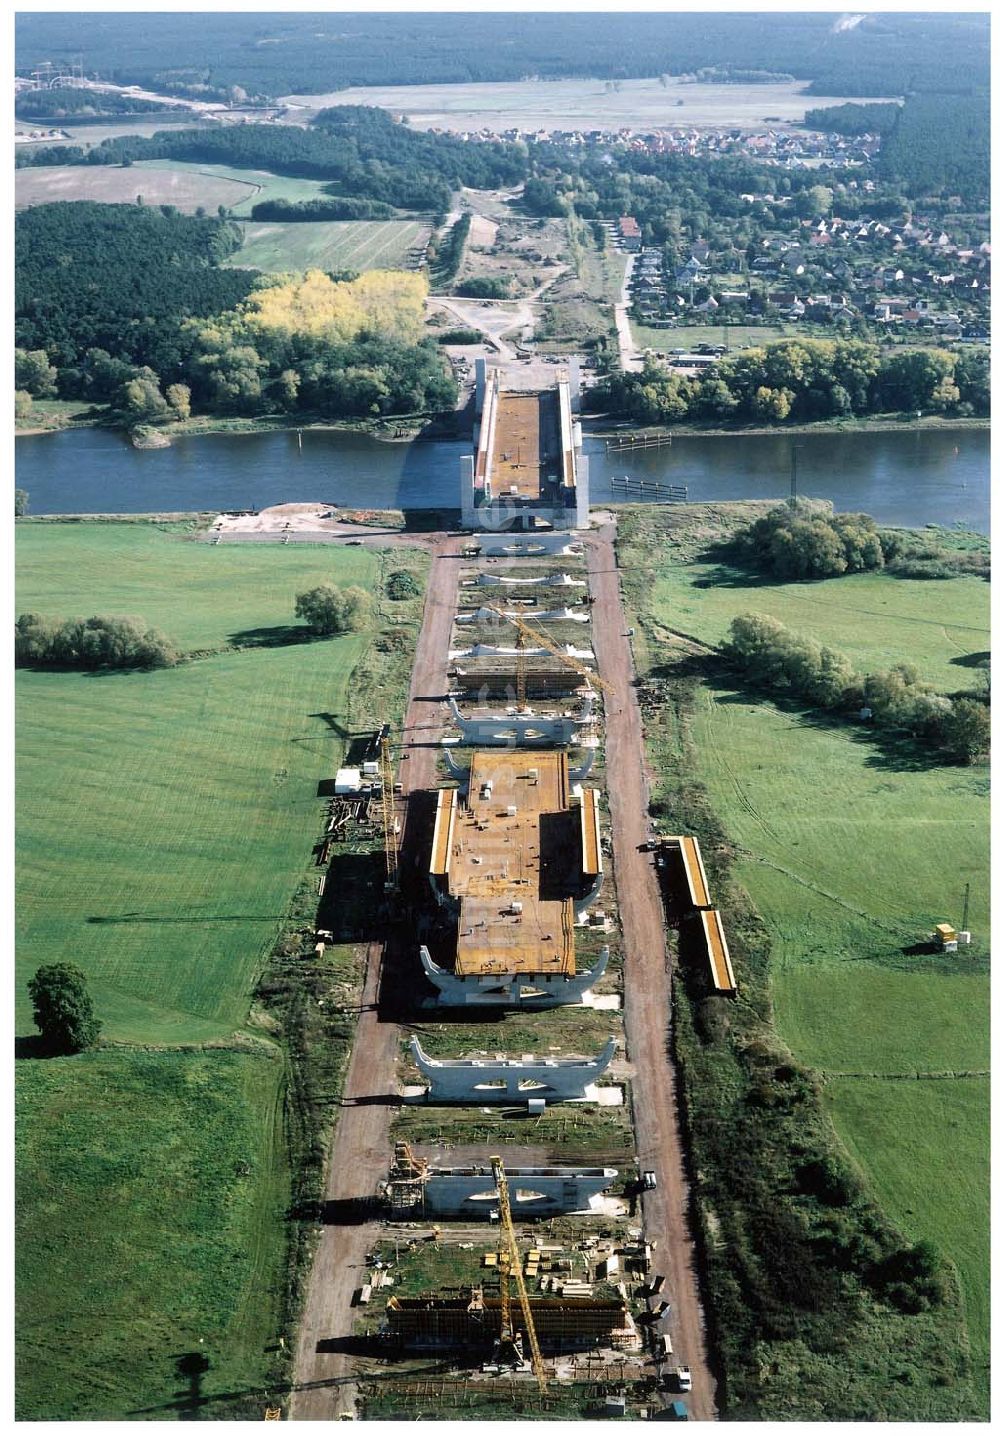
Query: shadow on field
{"type": "Point", "coordinates": [141, 917]}
{"type": "Point", "coordinates": [191, 1367]}
{"type": "Point", "coordinates": [281, 635]}
{"type": "Point", "coordinates": [332, 721]}
{"type": "Point", "coordinates": [971, 660]}
{"type": "Point", "coordinates": [32, 1047]}
{"type": "Point", "coordinates": [891, 750]}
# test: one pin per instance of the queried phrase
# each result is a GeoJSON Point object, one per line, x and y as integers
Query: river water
{"type": "Point", "coordinates": [910, 477]}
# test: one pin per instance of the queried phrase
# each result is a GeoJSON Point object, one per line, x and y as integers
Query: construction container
{"type": "Point", "coordinates": [348, 780]}
{"type": "Point", "coordinates": [536, 1106]}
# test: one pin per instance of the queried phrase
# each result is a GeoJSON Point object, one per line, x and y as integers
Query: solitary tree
{"type": "Point", "coordinates": [64, 1013]}
{"type": "Point", "coordinates": [328, 609]}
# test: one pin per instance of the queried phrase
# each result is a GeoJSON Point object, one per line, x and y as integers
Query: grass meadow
{"type": "Point", "coordinates": [327, 244]}
{"type": "Point", "coordinates": [164, 833]}
{"type": "Point", "coordinates": [851, 855]}
{"type": "Point", "coordinates": [925, 1146]}
{"type": "Point", "coordinates": [877, 620]}
{"type": "Point", "coordinates": [151, 1189]}
{"type": "Point", "coordinates": [163, 817]}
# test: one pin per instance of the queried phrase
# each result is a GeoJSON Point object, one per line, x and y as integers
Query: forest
{"type": "Point", "coordinates": [852, 119]}
{"type": "Point", "coordinates": [176, 330]}
{"type": "Point", "coordinates": [165, 268]}
{"type": "Point", "coordinates": [941, 143]}
{"type": "Point", "coordinates": [264, 55]}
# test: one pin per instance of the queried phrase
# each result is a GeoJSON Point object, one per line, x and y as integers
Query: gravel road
{"type": "Point", "coordinates": [647, 982]}
{"type": "Point", "coordinates": [360, 1154]}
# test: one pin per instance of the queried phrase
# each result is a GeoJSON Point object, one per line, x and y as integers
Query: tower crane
{"type": "Point", "coordinates": [510, 1261]}
{"type": "Point", "coordinates": [525, 631]}
{"type": "Point", "coordinates": [389, 829]}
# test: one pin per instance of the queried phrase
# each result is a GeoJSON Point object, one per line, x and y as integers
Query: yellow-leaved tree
{"type": "Point", "coordinates": [389, 302]}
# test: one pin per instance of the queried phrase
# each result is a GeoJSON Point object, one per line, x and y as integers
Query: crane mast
{"type": "Point", "coordinates": [525, 631]}
{"type": "Point", "coordinates": [513, 1263]}
{"type": "Point", "coordinates": [388, 812]}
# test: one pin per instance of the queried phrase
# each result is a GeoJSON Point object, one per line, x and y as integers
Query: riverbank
{"type": "Point", "coordinates": [409, 428]}
{"type": "Point", "coordinates": [600, 426]}
{"type": "Point", "coordinates": [401, 429]}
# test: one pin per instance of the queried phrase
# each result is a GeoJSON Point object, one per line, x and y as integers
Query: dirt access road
{"type": "Point", "coordinates": [360, 1154]}
{"type": "Point", "coordinates": [647, 982]}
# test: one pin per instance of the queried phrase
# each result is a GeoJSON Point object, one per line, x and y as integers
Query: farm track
{"type": "Point", "coordinates": [359, 1156]}
{"type": "Point", "coordinates": [648, 973]}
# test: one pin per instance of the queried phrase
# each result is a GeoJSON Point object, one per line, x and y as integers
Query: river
{"type": "Point", "coordinates": [909, 477]}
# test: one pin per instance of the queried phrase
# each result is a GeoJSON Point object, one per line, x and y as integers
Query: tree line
{"type": "Point", "coordinates": [853, 119]}
{"type": "Point", "coordinates": [799, 380]}
{"type": "Point", "coordinates": [940, 143]}
{"type": "Point", "coordinates": [89, 643]}
{"type": "Point", "coordinates": [285, 210]}
{"type": "Point", "coordinates": [69, 102]}
{"type": "Point", "coordinates": [775, 658]}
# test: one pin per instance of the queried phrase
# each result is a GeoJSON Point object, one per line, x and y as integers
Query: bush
{"type": "Point", "coordinates": [802, 541]}
{"type": "Point", "coordinates": [484, 287]}
{"type": "Point", "coordinates": [329, 609]}
{"type": "Point", "coordinates": [402, 584]}
{"type": "Point", "coordinates": [459, 336]}
{"type": "Point", "coordinates": [88, 643]}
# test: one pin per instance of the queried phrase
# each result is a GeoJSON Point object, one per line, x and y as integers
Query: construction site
{"type": "Point", "coordinates": [507, 1186]}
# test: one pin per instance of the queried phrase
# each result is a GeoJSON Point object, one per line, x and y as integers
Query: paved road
{"type": "Point", "coordinates": [360, 1152]}
{"type": "Point", "coordinates": [647, 981]}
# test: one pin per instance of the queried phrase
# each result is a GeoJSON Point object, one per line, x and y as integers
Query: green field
{"type": "Point", "coordinates": [327, 244]}
{"type": "Point", "coordinates": [163, 817]}
{"type": "Point", "coordinates": [851, 857]}
{"type": "Point", "coordinates": [151, 1189]}
{"type": "Point", "coordinates": [877, 620]}
{"type": "Point", "coordinates": [926, 1147]}
{"type": "Point", "coordinates": [255, 186]}
{"type": "Point", "coordinates": [165, 827]}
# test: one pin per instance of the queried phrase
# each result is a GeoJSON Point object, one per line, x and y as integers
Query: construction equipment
{"type": "Point", "coordinates": [273, 1413]}
{"type": "Point", "coordinates": [509, 1343]}
{"type": "Point", "coordinates": [389, 826]}
{"type": "Point", "coordinates": [525, 631]}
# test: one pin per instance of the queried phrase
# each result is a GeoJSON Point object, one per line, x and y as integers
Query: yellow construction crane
{"type": "Point", "coordinates": [388, 812]}
{"type": "Point", "coordinates": [510, 1261]}
{"type": "Point", "coordinates": [525, 631]}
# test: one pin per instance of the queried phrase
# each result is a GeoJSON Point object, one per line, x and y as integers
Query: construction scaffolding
{"type": "Point", "coordinates": [472, 1319]}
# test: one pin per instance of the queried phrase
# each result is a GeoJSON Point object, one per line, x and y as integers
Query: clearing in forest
{"type": "Point", "coordinates": [329, 245]}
